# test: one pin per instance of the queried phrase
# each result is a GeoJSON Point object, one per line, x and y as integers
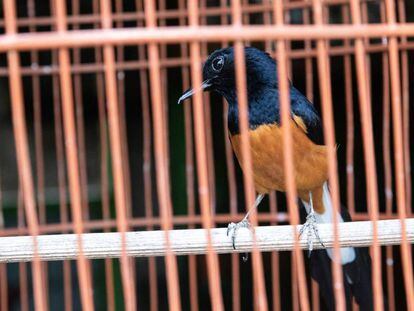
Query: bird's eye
{"type": "Point", "coordinates": [218, 63]}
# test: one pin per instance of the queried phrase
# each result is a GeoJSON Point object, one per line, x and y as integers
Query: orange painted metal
{"type": "Point", "coordinates": [299, 271]}
{"type": "Point", "coordinates": [61, 181]}
{"type": "Point", "coordinates": [369, 154]}
{"type": "Point", "coordinates": [387, 170]}
{"type": "Point", "coordinates": [328, 125]}
{"type": "Point", "coordinates": [202, 170]}
{"type": "Point", "coordinates": [104, 170]}
{"type": "Point", "coordinates": [118, 160]}
{"type": "Point", "coordinates": [37, 128]}
{"type": "Point", "coordinates": [259, 292]}
{"type": "Point", "coordinates": [22, 153]}
{"type": "Point", "coordinates": [406, 254]}
{"type": "Point", "coordinates": [172, 62]}
{"type": "Point", "coordinates": [405, 89]}
{"type": "Point", "coordinates": [163, 186]}
{"type": "Point", "coordinates": [146, 165]}
{"type": "Point", "coordinates": [67, 101]}
{"type": "Point", "coordinates": [4, 288]}
{"type": "Point", "coordinates": [189, 170]}
{"type": "Point", "coordinates": [89, 38]}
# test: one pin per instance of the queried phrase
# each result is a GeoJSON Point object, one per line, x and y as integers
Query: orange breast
{"type": "Point", "coordinates": [310, 160]}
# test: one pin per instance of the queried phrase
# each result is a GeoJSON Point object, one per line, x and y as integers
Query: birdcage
{"type": "Point", "coordinates": [114, 197]}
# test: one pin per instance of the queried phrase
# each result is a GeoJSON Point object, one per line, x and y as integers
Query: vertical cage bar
{"type": "Point", "coordinates": [23, 275]}
{"type": "Point", "coordinates": [202, 171]}
{"type": "Point", "coordinates": [364, 17]}
{"type": "Point", "coordinates": [208, 127]}
{"type": "Point", "coordinates": [189, 168]}
{"type": "Point", "coordinates": [329, 133]}
{"type": "Point", "coordinates": [189, 156]}
{"type": "Point", "coordinates": [369, 153]}
{"type": "Point", "coordinates": [275, 266]}
{"type": "Point", "coordinates": [275, 259]}
{"type": "Point", "coordinates": [104, 170]}
{"type": "Point", "coordinates": [259, 287]}
{"type": "Point", "coordinates": [80, 126]}
{"type": "Point", "coordinates": [77, 89]}
{"type": "Point", "coordinates": [295, 282]}
{"type": "Point", "coordinates": [310, 96]}
{"type": "Point", "coordinates": [406, 255]}
{"type": "Point", "coordinates": [288, 44]}
{"type": "Point", "coordinates": [39, 159]}
{"type": "Point", "coordinates": [4, 302]}
{"type": "Point", "coordinates": [147, 164]}
{"type": "Point", "coordinates": [267, 20]}
{"type": "Point", "coordinates": [84, 273]}
{"type": "Point", "coordinates": [350, 130]}
{"type": "Point", "coordinates": [22, 151]}
{"type": "Point", "coordinates": [189, 159]}
{"type": "Point", "coordinates": [37, 126]}
{"type": "Point", "coordinates": [118, 165]}
{"type": "Point", "coordinates": [61, 176]}
{"type": "Point", "coordinates": [164, 80]}
{"type": "Point", "coordinates": [232, 189]}
{"type": "Point", "coordinates": [405, 87]}
{"type": "Point", "coordinates": [120, 80]}
{"type": "Point", "coordinates": [163, 187]}
{"type": "Point", "coordinates": [291, 191]}
{"type": "Point", "coordinates": [387, 166]}
{"type": "Point", "coordinates": [4, 288]}
{"type": "Point", "coordinates": [308, 59]}
{"type": "Point", "coordinates": [350, 135]}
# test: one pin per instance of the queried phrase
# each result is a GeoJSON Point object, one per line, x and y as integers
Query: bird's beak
{"type": "Point", "coordinates": [190, 92]}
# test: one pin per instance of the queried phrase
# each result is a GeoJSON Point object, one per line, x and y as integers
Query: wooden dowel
{"type": "Point", "coordinates": [194, 241]}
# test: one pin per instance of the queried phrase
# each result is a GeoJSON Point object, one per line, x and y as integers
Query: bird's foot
{"type": "Point", "coordinates": [232, 229]}
{"type": "Point", "coordinates": [312, 231]}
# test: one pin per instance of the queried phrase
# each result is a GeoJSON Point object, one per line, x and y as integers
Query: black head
{"type": "Point", "coordinates": [219, 72]}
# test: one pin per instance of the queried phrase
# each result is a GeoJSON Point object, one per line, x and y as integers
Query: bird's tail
{"type": "Point", "coordinates": [356, 264]}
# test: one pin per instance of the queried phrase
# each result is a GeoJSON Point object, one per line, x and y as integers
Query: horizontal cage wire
{"type": "Point", "coordinates": [114, 197]}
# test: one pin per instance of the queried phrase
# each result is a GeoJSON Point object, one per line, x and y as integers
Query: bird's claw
{"type": "Point", "coordinates": [311, 226]}
{"type": "Point", "coordinates": [232, 229]}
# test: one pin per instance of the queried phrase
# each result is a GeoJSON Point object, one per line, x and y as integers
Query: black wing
{"type": "Point", "coordinates": [302, 108]}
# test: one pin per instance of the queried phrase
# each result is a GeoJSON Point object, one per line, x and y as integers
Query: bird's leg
{"type": "Point", "coordinates": [232, 228]}
{"type": "Point", "coordinates": [311, 226]}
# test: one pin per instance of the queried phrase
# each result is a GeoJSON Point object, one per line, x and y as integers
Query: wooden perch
{"type": "Point", "coordinates": [194, 241]}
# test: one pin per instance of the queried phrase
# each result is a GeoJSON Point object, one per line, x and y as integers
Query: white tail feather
{"type": "Point", "coordinates": [347, 253]}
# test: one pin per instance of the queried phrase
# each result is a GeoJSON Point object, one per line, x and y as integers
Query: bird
{"type": "Point", "coordinates": [309, 159]}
